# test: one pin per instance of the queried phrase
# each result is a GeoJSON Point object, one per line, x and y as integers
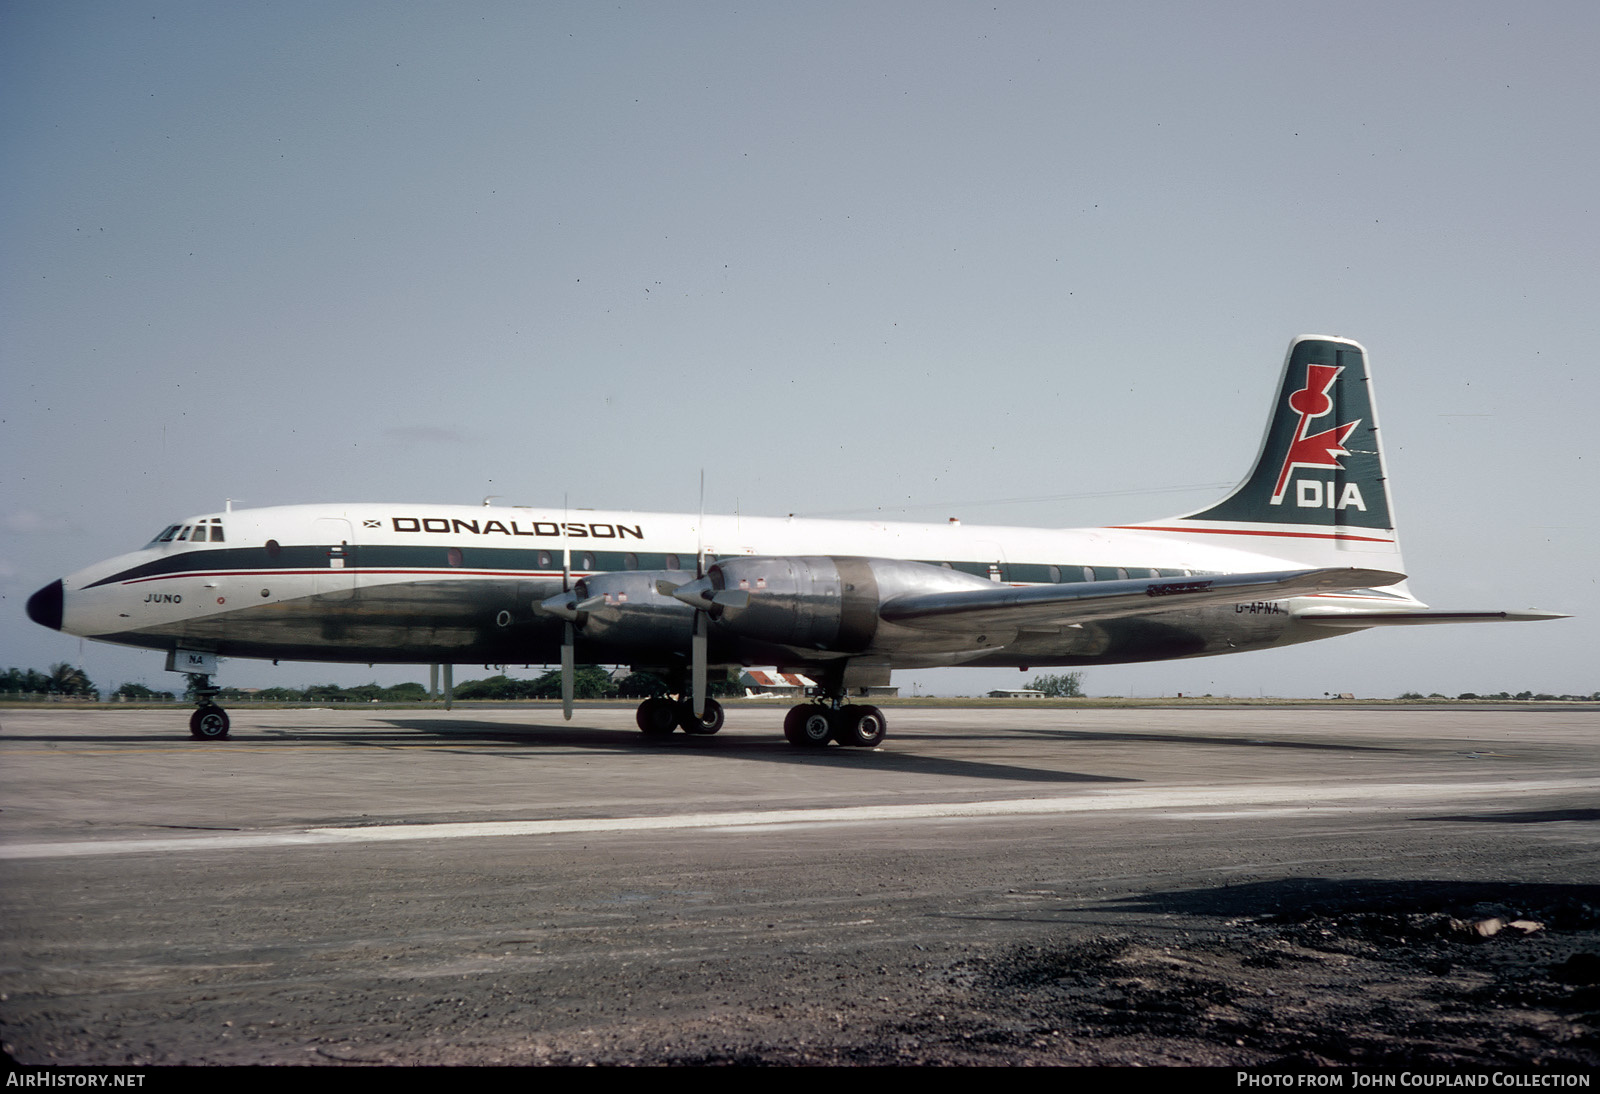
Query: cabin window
{"type": "Point", "coordinates": [274, 549]}
{"type": "Point", "coordinates": [545, 559]}
{"type": "Point", "coordinates": [630, 561]}
{"type": "Point", "coordinates": [183, 535]}
{"type": "Point", "coordinates": [586, 560]}
{"type": "Point", "coordinates": [1055, 574]}
{"type": "Point", "coordinates": [672, 563]}
{"type": "Point", "coordinates": [453, 556]}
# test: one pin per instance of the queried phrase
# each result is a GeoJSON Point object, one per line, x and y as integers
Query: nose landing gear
{"type": "Point", "coordinates": [209, 722]}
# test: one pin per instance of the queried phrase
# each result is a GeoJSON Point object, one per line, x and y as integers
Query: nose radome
{"type": "Point", "coordinates": [44, 606]}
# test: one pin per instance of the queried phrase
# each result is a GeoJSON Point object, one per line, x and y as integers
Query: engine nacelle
{"type": "Point", "coordinates": [622, 611]}
{"type": "Point", "coordinates": [819, 602]}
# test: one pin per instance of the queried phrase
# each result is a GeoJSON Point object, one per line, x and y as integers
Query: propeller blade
{"type": "Point", "coordinates": [732, 598]}
{"type": "Point", "coordinates": [700, 531]}
{"type": "Point", "coordinates": [697, 665]}
{"type": "Point", "coordinates": [667, 588]}
{"type": "Point", "coordinates": [568, 631]}
{"type": "Point", "coordinates": [567, 671]}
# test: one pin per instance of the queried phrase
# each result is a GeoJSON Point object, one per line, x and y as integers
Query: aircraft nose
{"type": "Point", "coordinates": [44, 606]}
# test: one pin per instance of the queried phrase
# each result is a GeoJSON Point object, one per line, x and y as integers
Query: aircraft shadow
{"type": "Point", "coordinates": [1542, 816]}
{"type": "Point", "coordinates": [1373, 908]}
{"type": "Point", "coordinates": [764, 750]}
{"type": "Point", "coordinates": [1297, 899]}
{"type": "Point", "coordinates": [1192, 739]}
{"type": "Point", "coordinates": [533, 737]}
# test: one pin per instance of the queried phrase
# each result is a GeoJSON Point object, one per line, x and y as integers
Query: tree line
{"type": "Point", "coordinates": [1066, 685]}
{"type": "Point", "coordinates": [590, 682]}
{"type": "Point", "coordinates": [61, 679]}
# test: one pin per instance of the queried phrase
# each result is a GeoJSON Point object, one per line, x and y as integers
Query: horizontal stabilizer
{"type": "Point", "coordinates": [1060, 605]}
{"type": "Point", "coordinates": [1359, 619]}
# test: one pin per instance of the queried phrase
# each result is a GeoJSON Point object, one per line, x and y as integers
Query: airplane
{"type": "Point", "coordinates": [1304, 548]}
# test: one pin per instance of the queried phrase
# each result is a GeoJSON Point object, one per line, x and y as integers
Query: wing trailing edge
{"type": "Point", "coordinates": [1362, 618]}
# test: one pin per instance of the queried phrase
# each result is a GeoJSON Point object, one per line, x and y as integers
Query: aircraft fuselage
{"type": "Point", "coordinates": [432, 583]}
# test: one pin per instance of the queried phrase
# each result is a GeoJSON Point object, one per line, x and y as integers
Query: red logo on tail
{"type": "Point", "coordinates": [1322, 449]}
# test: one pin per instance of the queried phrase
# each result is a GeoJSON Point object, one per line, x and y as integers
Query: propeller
{"type": "Point", "coordinates": [702, 621]}
{"type": "Point", "coordinates": [569, 637]}
{"type": "Point", "coordinates": [566, 606]}
{"type": "Point", "coordinates": [570, 604]}
{"type": "Point", "coordinates": [569, 628]}
{"type": "Point", "coordinates": [699, 595]}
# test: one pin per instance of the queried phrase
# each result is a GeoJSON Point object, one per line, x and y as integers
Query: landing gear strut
{"type": "Point", "coordinates": [209, 722]}
{"type": "Point", "coordinates": [813, 725]}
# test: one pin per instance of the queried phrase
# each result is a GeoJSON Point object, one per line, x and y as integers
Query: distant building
{"type": "Point", "coordinates": [1016, 693]}
{"type": "Point", "coordinates": [794, 685]}
{"type": "Point", "coordinates": [762, 682]}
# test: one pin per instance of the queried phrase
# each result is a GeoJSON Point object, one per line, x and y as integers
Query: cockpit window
{"type": "Point", "coordinates": [204, 531]}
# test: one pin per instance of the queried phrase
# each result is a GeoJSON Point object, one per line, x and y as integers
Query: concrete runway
{"type": "Point", "coordinates": [494, 885]}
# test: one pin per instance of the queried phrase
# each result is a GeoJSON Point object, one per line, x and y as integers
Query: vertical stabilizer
{"type": "Point", "coordinates": [1318, 492]}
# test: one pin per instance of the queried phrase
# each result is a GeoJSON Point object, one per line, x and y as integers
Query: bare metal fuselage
{"type": "Point", "coordinates": [408, 584]}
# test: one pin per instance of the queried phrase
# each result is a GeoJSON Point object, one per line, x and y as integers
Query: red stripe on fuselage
{"type": "Point", "coordinates": [1245, 532]}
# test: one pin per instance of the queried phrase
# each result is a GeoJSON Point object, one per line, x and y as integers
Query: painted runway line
{"type": "Point", "coordinates": [1270, 799]}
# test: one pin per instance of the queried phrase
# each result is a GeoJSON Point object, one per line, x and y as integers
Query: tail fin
{"type": "Point", "coordinates": [1318, 492]}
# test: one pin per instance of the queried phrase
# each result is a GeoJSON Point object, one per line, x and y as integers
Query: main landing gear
{"type": "Point", "coordinates": [810, 725]}
{"type": "Point", "coordinates": [659, 716]}
{"type": "Point", "coordinates": [813, 725]}
{"type": "Point", "coordinates": [209, 722]}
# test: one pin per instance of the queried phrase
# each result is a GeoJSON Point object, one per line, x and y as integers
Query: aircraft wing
{"type": "Point", "coordinates": [1081, 602]}
{"type": "Point", "coordinates": [1361, 618]}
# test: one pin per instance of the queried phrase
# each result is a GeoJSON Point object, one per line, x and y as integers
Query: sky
{"type": "Point", "coordinates": [1021, 263]}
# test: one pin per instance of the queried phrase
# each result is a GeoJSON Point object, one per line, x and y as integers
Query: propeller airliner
{"type": "Point", "coordinates": [1303, 549]}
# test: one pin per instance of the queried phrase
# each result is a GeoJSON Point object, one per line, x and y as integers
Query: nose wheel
{"type": "Point", "coordinates": [209, 722]}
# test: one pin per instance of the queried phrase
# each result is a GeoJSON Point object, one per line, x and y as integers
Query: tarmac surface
{"type": "Point", "coordinates": [1301, 886]}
